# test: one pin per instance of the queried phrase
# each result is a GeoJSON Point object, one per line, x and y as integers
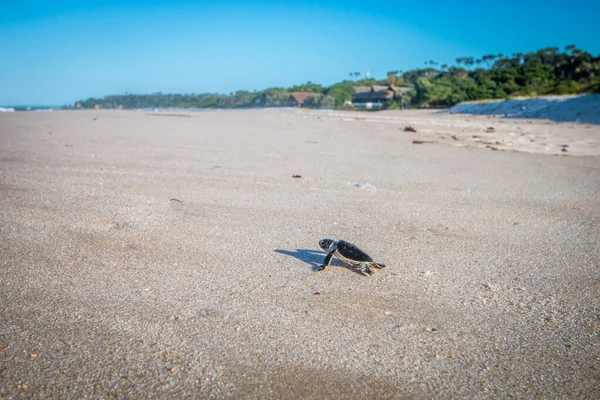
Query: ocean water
{"type": "Point", "coordinates": [29, 108]}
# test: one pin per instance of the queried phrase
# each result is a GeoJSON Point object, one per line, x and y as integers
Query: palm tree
{"type": "Point", "coordinates": [489, 58]}
{"type": "Point", "coordinates": [469, 61]}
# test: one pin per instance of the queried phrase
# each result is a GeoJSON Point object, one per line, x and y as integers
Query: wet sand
{"type": "Point", "coordinates": [160, 255]}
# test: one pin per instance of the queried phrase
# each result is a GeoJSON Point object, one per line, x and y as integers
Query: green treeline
{"type": "Point", "coordinates": [544, 72]}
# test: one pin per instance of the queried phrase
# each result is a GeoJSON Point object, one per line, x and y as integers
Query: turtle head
{"type": "Point", "coordinates": [326, 244]}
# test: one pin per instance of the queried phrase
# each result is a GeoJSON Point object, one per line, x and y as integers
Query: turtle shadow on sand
{"type": "Point", "coordinates": [314, 258]}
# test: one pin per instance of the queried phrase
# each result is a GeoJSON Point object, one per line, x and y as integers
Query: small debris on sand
{"type": "Point", "coordinates": [409, 129]}
{"type": "Point", "coordinates": [490, 129]}
{"type": "Point", "coordinates": [456, 137]}
{"type": "Point", "coordinates": [296, 176]}
{"type": "Point", "coordinates": [423, 141]}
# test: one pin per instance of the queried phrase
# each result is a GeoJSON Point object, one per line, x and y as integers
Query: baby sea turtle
{"type": "Point", "coordinates": [348, 253]}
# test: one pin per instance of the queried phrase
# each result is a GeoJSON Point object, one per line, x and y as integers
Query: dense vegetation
{"type": "Point", "coordinates": [546, 71]}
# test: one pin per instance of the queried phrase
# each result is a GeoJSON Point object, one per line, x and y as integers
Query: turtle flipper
{"type": "Point", "coordinates": [364, 268]}
{"type": "Point", "coordinates": [325, 262]}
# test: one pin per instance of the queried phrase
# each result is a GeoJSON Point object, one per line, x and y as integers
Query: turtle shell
{"type": "Point", "coordinates": [352, 252]}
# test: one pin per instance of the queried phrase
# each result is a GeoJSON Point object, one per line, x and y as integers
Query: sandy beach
{"type": "Point", "coordinates": [173, 254]}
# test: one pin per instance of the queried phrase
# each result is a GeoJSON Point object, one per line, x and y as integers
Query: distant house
{"type": "Point", "coordinates": [297, 99]}
{"type": "Point", "coordinates": [375, 95]}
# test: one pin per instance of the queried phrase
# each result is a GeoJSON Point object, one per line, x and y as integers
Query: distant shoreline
{"type": "Point", "coordinates": [567, 108]}
{"type": "Point", "coordinates": [32, 108]}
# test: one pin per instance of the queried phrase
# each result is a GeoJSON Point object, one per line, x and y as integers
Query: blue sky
{"type": "Point", "coordinates": [56, 52]}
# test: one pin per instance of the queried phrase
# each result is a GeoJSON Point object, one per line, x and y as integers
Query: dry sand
{"type": "Point", "coordinates": [163, 256]}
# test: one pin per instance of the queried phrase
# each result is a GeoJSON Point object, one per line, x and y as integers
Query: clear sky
{"type": "Point", "coordinates": [56, 52]}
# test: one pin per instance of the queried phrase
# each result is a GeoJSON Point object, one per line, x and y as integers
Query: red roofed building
{"type": "Point", "coordinates": [297, 99]}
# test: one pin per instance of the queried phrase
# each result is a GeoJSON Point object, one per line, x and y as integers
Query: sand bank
{"type": "Point", "coordinates": [577, 108]}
